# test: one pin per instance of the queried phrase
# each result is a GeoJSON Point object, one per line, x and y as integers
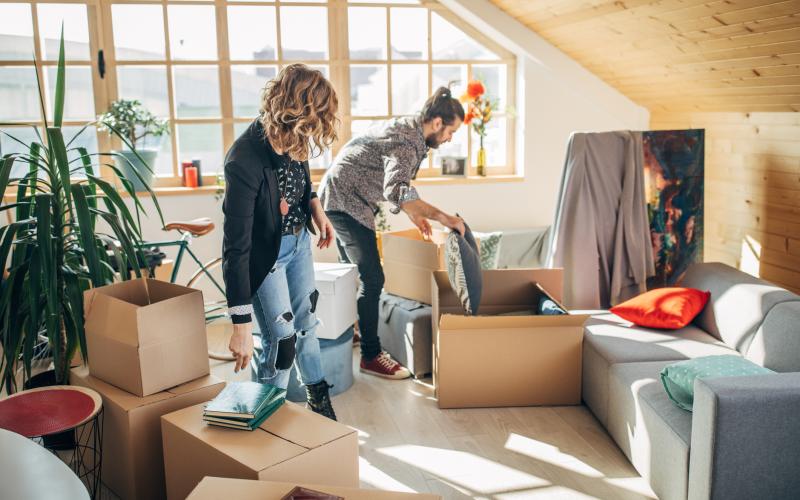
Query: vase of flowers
{"type": "Point", "coordinates": [479, 113]}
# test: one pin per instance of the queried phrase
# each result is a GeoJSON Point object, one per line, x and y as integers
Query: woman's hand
{"type": "Point", "coordinates": [241, 345]}
{"type": "Point", "coordinates": [323, 225]}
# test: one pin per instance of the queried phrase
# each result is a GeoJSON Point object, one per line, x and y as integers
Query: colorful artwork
{"type": "Point", "coordinates": [674, 184]}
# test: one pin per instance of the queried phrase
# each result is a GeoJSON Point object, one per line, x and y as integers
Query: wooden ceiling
{"type": "Point", "coordinates": [679, 55]}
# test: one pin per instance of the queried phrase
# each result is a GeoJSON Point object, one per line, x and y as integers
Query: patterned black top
{"type": "Point", "coordinates": [292, 185]}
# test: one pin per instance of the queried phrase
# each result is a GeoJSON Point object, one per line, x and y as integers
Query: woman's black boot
{"type": "Point", "coordinates": [318, 399]}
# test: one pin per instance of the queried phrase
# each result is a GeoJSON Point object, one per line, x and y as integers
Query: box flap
{"type": "Point", "coordinates": [131, 292]}
{"type": "Point", "coordinates": [505, 287]}
{"type": "Point", "coordinates": [214, 488]}
{"type": "Point", "coordinates": [158, 290]}
{"type": "Point", "coordinates": [461, 322]}
{"type": "Point", "coordinates": [410, 247]}
{"type": "Point", "coordinates": [255, 449]}
{"type": "Point", "coordinates": [181, 315]}
{"type": "Point", "coordinates": [108, 316]}
{"type": "Point", "coordinates": [303, 427]}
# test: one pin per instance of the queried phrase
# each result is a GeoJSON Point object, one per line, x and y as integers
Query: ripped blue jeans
{"type": "Point", "coordinates": [284, 307]}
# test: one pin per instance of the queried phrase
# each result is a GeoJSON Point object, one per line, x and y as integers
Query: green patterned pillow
{"type": "Point", "coordinates": [490, 249]}
{"type": "Point", "coordinates": [678, 378]}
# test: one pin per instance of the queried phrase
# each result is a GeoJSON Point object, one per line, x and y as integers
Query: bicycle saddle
{"type": "Point", "coordinates": [197, 227]}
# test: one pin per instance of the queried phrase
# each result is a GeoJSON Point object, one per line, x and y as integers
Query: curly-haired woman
{"type": "Point", "coordinates": [269, 209]}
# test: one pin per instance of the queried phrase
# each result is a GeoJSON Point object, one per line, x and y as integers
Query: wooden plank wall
{"type": "Point", "coordinates": [752, 190]}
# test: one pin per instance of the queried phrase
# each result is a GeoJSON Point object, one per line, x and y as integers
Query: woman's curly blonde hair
{"type": "Point", "coordinates": [298, 112]}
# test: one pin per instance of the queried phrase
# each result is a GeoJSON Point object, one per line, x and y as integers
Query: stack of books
{"type": "Point", "coordinates": [244, 405]}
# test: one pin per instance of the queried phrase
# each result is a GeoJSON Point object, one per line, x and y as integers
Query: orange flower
{"type": "Point", "coordinates": [468, 117]}
{"type": "Point", "coordinates": [475, 89]}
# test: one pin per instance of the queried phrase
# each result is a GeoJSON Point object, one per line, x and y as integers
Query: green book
{"type": "Point", "coordinates": [243, 400]}
{"type": "Point", "coordinates": [249, 425]}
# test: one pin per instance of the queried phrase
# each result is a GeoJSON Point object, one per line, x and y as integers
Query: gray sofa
{"type": "Point", "coordinates": [743, 438]}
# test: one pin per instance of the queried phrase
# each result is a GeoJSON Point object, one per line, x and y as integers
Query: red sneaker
{"type": "Point", "coordinates": [383, 365]}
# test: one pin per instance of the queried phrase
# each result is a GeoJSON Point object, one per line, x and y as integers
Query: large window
{"type": "Point", "coordinates": [202, 64]}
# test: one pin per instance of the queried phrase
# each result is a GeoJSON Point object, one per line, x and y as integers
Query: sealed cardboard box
{"type": "Point", "coordinates": [292, 445]}
{"type": "Point", "coordinates": [409, 260]}
{"type": "Point", "coordinates": [133, 462]}
{"type": "Point", "coordinates": [214, 488]}
{"type": "Point", "coordinates": [146, 335]}
{"type": "Point", "coordinates": [507, 355]}
{"type": "Point", "coordinates": [337, 285]}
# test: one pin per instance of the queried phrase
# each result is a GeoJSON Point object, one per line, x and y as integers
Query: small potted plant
{"type": "Point", "coordinates": [132, 120]}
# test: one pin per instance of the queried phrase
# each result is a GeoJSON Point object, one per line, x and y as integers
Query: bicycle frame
{"type": "Point", "coordinates": [184, 247]}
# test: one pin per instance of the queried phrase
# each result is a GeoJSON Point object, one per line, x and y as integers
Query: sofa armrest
{"type": "Point", "coordinates": [746, 437]}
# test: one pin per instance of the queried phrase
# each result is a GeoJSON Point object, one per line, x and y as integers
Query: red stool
{"type": "Point", "coordinates": [37, 413]}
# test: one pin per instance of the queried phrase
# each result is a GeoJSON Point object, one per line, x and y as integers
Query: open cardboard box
{"type": "Point", "coordinates": [409, 260]}
{"type": "Point", "coordinates": [491, 360]}
{"type": "Point", "coordinates": [214, 488]}
{"type": "Point", "coordinates": [133, 461]}
{"type": "Point", "coordinates": [146, 335]}
{"type": "Point", "coordinates": [292, 445]}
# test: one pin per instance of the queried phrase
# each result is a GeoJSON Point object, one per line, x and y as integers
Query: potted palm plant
{"type": "Point", "coordinates": [131, 119]}
{"type": "Point", "coordinates": [66, 216]}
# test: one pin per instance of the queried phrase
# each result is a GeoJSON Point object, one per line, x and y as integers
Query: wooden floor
{"type": "Point", "coordinates": [408, 444]}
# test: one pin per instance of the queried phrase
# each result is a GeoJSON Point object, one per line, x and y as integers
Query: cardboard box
{"type": "Point", "coordinates": [164, 271]}
{"type": "Point", "coordinates": [492, 361]}
{"type": "Point", "coordinates": [409, 260]}
{"type": "Point", "coordinates": [292, 445]}
{"type": "Point", "coordinates": [336, 307]}
{"type": "Point", "coordinates": [133, 461]}
{"type": "Point", "coordinates": [146, 335]}
{"type": "Point", "coordinates": [214, 488]}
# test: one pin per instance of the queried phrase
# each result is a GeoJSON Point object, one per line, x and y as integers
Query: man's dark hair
{"type": "Point", "coordinates": [442, 105]}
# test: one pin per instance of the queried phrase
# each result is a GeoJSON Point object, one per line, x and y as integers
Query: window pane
{"type": "Point", "coordinates": [192, 32]}
{"type": "Point", "coordinates": [409, 33]}
{"type": "Point", "coordinates": [456, 147]}
{"type": "Point", "coordinates": [239, 128]}
{"type": "Point", "coordinates": [304, 33]}
{"type": "Point", "coordinates": [147, 84]}
{"type": "Point", "coordinates": [398, 2]}
{"type": "Point", "coordinates": [452, 76]}
{"type": "Point", "coordinates": [252, 33]}
{"type": "Point", "coordinates": [450, 42]}
{"type": "Point", "coordinates": [19, 94]}
{"type": "Point", "coordinates": [163, 164]}
{"type": "Point", "coordinates": [16, 32]}
{"type": "Point", "coordinates": [203, 142]}
{"type": "Point", "coordinates": [409, 88]}
{"type": "Point", "coordinates": [246, 85]}
{"type": "Point", "coordinates": [494, 143]}
{"type": "Point", "coordinates": [368, 90]}
{"type": "Point", "coordinates": [367, 33]}
{"type": "Point", "coordinates": [138, 32]}
{"type": "Point", "coordinates": [196, 91]}
{"type": "Point", "coordinates": [80, 102]}
{"type": "Point", "coordinates": [494, 80]}
{"type": "Point", "coordinates": [76, 30]}
{"type": "Point", "coordinates": [8, 145]}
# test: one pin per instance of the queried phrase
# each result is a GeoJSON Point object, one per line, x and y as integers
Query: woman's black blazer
{"type": "Point", "coordinates": [252, 228]}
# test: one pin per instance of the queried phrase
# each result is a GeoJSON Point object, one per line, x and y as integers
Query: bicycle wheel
{"type": "Point", "coordinates": [208, 279]}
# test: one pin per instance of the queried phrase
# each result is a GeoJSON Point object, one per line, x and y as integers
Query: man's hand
{"type": "Point", "coordinates": [323, 225]}
{"type": "Point", "coordinates": [422, 223]}
{"type": "Point", "coordinates": [241, 345]}
{"type": "Point", "coordinates": [455, 223]}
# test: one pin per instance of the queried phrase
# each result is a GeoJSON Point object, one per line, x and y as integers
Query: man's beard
{"type": "Point", "coordinates": [433, 141]}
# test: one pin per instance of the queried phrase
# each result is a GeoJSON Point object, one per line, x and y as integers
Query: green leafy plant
{"type": "Point", "coordinates": [65, 218]}
{"type": "Point", "coordinates": [131, 119]}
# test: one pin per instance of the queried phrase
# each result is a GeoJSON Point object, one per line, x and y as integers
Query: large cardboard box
{"type": "Point", "coordinates": [215, 488]}
{"type": "Point", "coordinates": [292, 445]}
{"type": "Point", "coordinates": [133, 461]}
{"type": "Point", "coordinates": [146, 335]}
{"type": "Point", "coordinates": [336, 307]}
{"type": "Point", "coordinates": [409, 260]}
{"type": "Point", "coordinates": [493, 360]}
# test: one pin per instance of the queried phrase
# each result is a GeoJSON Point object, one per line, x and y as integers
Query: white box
{"type": "Point", "coordinates": [336, 307]}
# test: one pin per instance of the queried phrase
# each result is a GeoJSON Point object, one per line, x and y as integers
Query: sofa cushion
{"type": "Point", "coordinates": [776, 344]}
{"type": "Point", "coordinates": [653, 433]}
{"type": "Point", "coordinates": [609, 339]}
{"type": "Point", "coordinates": [669, 308]}
{"type": "Point", "coordinates": [464, 268]}
{"type": "Point", "coordinates": [739, 302]}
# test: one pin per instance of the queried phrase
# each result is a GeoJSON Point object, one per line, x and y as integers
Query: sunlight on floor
{"type": "Point", "coordinates": [378, 479]}
{"type": "Point", "coordinates": [549, 453]}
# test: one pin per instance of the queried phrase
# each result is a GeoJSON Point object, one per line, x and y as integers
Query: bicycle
{"type": "Point", "coordinates": [210, 271]}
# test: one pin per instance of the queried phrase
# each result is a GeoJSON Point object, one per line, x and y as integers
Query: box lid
{"type": "Point", "coordinates": [409, 247]}
{"type": "Point", "coordinates": [327, 275]}
{"type": "Point", "coordinates": [303, 427]}
{"type": "Point", "coordinates": [214, 488]}
{"type": "Point", "coordinates": [127, 401]}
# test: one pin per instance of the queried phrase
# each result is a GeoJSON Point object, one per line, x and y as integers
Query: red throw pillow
{"type": "Point", "coordinates": [670, 308]}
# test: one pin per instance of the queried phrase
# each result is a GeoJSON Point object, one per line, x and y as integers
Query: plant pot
{"type": "Point", "coordinates": [63, 440]}
{"type": "Point", "coordinates": [149, 156]}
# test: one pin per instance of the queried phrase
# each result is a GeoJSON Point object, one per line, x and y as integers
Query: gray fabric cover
{"type": "Point", "coordinates": [404, 328]}
{"type": "Point", "coordinates": [523, 248]}
{"type": "Point", "coordinates": [652, 432]}
{"type": "Point", "coordinates": [609, 339]}
{"type": "Point", "coordinates": [739, 302]}
{"type": "Point", "coordinates": [745, 438]}
{"type": "Point", "coordinates": [464, 268]}
{"type": "Point", "coordinates": [776, 344]}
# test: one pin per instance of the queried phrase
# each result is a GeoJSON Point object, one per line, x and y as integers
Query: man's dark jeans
{"type": "Point", "coordinates": [357, 245]}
